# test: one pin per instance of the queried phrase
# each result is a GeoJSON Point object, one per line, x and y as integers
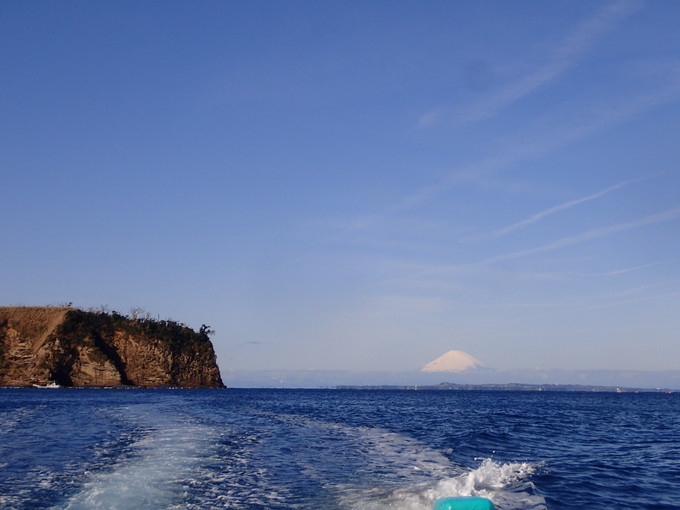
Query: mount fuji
{"type": "Point", "coordinates": [453, 361]}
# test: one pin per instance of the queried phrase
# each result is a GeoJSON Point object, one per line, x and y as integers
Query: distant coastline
{"type": "Point", "coordinates": [510, 387]}
{"type": "Point", "coordinates": [484, 379]}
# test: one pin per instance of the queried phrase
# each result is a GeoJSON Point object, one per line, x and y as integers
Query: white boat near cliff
{"type": "Point", "coordinates": [49, 385]}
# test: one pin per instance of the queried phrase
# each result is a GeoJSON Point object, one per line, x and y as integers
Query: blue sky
{"type": "Point", "coordinates": [352, 185]}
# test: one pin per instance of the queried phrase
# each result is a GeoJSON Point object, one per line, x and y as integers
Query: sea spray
{"type": "Point", "coordinates": [506, 484]}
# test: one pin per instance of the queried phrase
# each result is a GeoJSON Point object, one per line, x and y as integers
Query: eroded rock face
{"type": "Point", "coordinates": [77, 348]}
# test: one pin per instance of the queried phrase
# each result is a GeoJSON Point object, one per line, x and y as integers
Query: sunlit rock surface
{"type": "Point", "coordinates": [74, 347]}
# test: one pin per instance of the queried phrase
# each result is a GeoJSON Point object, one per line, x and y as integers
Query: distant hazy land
{"type": "Point", "coordinates": [515, 387]}
{"type": "Point", "coordinates": [456, 369]}
{"type": "Point", "coordinates": [635, 379]}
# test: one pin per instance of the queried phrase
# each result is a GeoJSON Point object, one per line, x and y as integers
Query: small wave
{"type": "Point", "coordinates": [507, 485]}
{"type": "Point", "coordinates": [11, 421]}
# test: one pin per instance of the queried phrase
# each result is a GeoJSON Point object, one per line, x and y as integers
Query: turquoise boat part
{"type": "Point", "coordinates": [467, 503]}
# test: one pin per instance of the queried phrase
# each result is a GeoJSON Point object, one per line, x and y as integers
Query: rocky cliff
{"type": "Point", "coordinates": [82, 348]}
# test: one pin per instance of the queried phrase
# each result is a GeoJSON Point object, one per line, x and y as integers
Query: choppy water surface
{"type": "Point", "coordinates": [332, 449]}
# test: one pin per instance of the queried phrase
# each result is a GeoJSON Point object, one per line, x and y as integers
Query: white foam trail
{"type": "Point", "coordinates": [393, 455]}
{"type": "Point", "coordinates": [506, 485]}
{"type": "Point", "coordinates": [152, 476]}
{"type": "Point", "coordinates": [404, 456]}
{"type": "Point", "coordinates": [402, 473]}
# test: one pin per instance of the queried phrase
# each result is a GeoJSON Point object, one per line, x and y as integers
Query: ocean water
{"type": "Point", "coordinates": [336, 449]}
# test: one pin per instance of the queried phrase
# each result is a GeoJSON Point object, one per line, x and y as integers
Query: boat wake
{"type": "Point", "coordinates": [307, 450]}
{"type": "Point", "coordinates": [173, 459]}
{"type": "Point", "coordinates": [507, 485]}
{"type": "Point", "coordinates": [153, 470]}
{"type": "Point", "coordinates": [381, 469]}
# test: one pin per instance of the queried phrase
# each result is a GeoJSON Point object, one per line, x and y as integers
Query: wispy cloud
{"type": "Point", "coordinates": [561, 207]}
{"type": "Point", "coordinates": [577, 310]}
{"type": "Point", "coordinates": [539, 140]}
{"type": "Point", "coordinates": [636, 268]}
{"type": "Point", "coordinates": [544, 138]}
{"type": "Point", "coordinates": [431, 118]}
{"type": "Point", "coordinates": [587, 236]}
{"type": "Point", "coordinates": [629, 296]}
{"type": "Point", "coordinates": [527, 305]}
{"type": "Point", "coordinates": [565, 56]}
{"type": "Point", "coordinates": [632, 300]}
{"type": "Point", "coordinates": [474, 267]}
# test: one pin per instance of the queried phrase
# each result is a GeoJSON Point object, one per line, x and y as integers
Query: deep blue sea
{"type": "Point", "coordinates": [336, 449]}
